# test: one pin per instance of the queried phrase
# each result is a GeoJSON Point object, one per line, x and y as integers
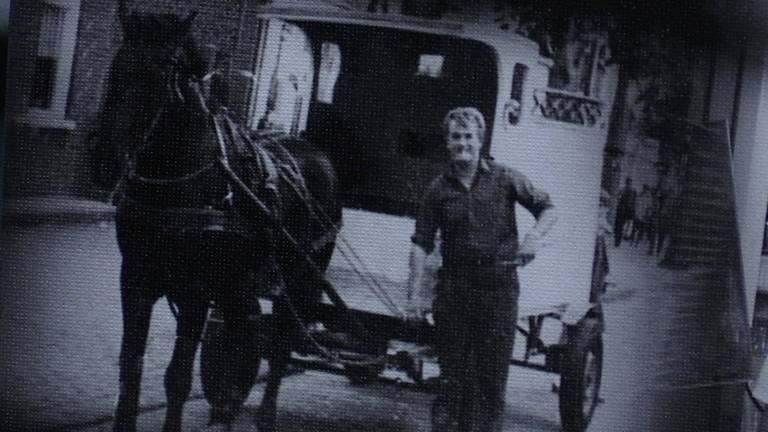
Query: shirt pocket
{"type": "Point", "coordinates": [490, 208]}
{"type": "Point", "coordinates": [455, 213]}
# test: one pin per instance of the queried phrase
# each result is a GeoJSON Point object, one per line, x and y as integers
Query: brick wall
{"type": "Point", "coordinates": [64, 156]}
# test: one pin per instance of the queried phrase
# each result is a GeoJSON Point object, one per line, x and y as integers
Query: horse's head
{"type": "Point", "coordinates": [157, 59]}
{"type": "Point", "coordinates": [153, 114]}
{"type": "Point", "coordinates": [154, 66]}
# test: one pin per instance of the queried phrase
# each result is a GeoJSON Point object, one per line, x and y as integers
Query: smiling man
{"type": "Point", "coordinates": [472, 204]}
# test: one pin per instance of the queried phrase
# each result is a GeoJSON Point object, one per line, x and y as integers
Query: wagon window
{"type": "Point", "coordinates": [430, 65]}
{"type": "Point", "coordinates": [284, 78]}
{"type": "Point", "coordinates": [330, 65]}
{"type": "Point", "coordinates": [516, 95]}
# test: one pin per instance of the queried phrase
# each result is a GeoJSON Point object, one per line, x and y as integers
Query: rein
{"type": "Point", "coordinates": [273, 170]}
{"type": "Point", "coordinates": [174, 180]}
{"type": "Point", "coordinates": [173, 88]}
{"type": "Point", "coordinates": [294, 179]}
{"type": "Point", "coordinates": [291, 240]}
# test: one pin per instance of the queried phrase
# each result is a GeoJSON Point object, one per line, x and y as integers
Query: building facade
{"type": "Point", "coordinates": [59, 57]}
{"type": "Point", "coordinates": [731, 85]}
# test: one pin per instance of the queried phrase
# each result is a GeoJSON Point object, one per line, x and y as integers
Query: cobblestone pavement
{"type": "Point", "coordinates": [680, 362]}
{"type": "Point", "coordinates": [61, 326]}
{"type": "Point", "coordinates": [60, 329]}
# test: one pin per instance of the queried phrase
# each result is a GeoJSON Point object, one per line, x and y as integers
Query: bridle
{"type": "Point", "coordinates": [176, 70]}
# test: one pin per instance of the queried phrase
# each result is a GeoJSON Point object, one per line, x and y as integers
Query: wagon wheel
{"type": "Point", "coordinates": [229, 367]}
{"type": "Point", "coordinates": [581, 373]}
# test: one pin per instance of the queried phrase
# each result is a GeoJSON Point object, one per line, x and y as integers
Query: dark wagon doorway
{"type": "Point", "coordinates": [377, 102]}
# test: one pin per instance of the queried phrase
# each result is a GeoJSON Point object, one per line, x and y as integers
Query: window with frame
{"type": "Point", "coordinates": [46, 57]}
{"type": "Point", "coordinates": [56, 25]}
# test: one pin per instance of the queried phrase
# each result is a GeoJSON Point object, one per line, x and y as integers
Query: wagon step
{"type": "Point", "coordinates": [370, 367]}
{"type": "Point", "coordinates": [339, 341]}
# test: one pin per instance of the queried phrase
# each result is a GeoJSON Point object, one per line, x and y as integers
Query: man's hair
{"type": "Point", "coordinates": [465, 116]}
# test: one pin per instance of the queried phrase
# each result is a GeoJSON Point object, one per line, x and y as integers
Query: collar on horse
{"type": "Point", "coordinates": [227, 132]}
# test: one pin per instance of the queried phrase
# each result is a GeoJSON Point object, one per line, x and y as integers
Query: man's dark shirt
{"type": "Point", "coordinates": [476, 224]}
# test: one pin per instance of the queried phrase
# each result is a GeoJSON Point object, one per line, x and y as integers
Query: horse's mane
{"type": "Point", "coordinates": [149, 27]}
{"type": "Point", "coordinates": [162, 29]}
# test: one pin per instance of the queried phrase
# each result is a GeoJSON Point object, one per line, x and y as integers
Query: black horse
{"type": "Point", "coordinates": [186, 231]}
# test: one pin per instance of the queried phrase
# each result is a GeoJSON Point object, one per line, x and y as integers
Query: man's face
{"type": "Point", "coordinates": [463, 145]}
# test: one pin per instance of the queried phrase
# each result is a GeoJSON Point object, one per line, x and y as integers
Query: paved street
{"type": "Point", "coordinates": [61, 326]}
{"type": "Point", "coordinates": [60, 329]}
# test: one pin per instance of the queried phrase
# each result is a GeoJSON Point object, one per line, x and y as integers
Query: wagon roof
{"type": "Point", "coordinates": [470, 26]}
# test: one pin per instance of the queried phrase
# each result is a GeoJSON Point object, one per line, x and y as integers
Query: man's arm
{"type": "Point", "coordinates": [534, 238]}
{"type": "Point", "coordinates": [544, 223]}
{"type": "Point", "coordinates": [416, 276]}
{"type": "Point", "coordinates": [423, 244]}
{"type": "Point", "coordinates": [540, 206]}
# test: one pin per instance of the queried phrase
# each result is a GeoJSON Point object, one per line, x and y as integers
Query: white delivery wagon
{"type": "Point", "coordinates": [371, 89]}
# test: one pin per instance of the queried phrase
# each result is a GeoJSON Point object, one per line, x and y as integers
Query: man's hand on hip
{"type": "Point", "coordinates": [413, 311]}
{"type": "Point", "coordinates": [534, 240]}
{"type": "Point", "coordinates": [528, 250]}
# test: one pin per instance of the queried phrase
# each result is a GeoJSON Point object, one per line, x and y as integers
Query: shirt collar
{"type": "Point", "coordinates": [483, 166]}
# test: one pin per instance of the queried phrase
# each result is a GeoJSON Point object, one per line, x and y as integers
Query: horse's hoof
{"type": "Point", "coordinates": [265, 420]}
{"type": "Point", "coordinates": [222, 415]}
{"type": "Point", "coordinates": [123, 427]}
{"type": "Point", "coordinates": [172, 426]}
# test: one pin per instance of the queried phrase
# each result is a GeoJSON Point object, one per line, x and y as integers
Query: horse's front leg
{"type": "Point", "coordinates": [178, 376]}
{"type": "Point", "coordinates": [137, 302]}
{"type": "Point", "coordinates": [278, 355]}
{"type": "Point", "coordinates": [266, 415]}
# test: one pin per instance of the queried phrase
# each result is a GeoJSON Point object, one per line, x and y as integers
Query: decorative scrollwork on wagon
{"type": "Point", "coordinates": [568, 107]}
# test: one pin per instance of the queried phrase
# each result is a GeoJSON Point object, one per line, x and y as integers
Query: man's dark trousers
{"type": "Point", "coordinates": [475, 311]}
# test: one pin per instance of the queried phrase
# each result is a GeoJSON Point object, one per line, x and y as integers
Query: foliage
{"type": "Point", "coordinates": [640, 34]}
{"type": "Point", "coordinates": [650, 41]}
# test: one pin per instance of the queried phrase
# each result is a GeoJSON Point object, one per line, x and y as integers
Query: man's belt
{"type": "Point", "coordinates": [474, 262]}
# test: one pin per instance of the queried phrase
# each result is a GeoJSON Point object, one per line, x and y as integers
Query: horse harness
{"type": "Point", "coordinates": [272, 165]}
{"type": "Point", "coordinates": [221, 217]}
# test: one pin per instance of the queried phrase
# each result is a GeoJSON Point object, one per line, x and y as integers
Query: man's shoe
{"type": "Point", "coordinates": [444, 424]}
{"type": "Point", "coordinates": [442, 420]}
{"type": "Point", "coordinates": [760, 405]}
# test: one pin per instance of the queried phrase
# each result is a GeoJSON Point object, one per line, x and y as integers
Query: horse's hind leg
{"type": "Point", "coordinates": [286, 332]}
{"type": "Point", "coordinates": [137, 311]}
{"type": "Point", "coordinates": [278, 355]}
{"type": "Point", "coordinates": [266, 415]}
{"type": "Point", "coordinates": [178, 376]}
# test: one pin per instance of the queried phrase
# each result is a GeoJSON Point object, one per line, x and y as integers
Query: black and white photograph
{"type": "Point", "coordinates": [384, 216]}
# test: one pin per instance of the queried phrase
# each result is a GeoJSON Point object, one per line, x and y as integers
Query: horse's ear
{"type": "Point", "coordinates": [187, 23]}
{"type": "Point", "coordinates": [123, 13]}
